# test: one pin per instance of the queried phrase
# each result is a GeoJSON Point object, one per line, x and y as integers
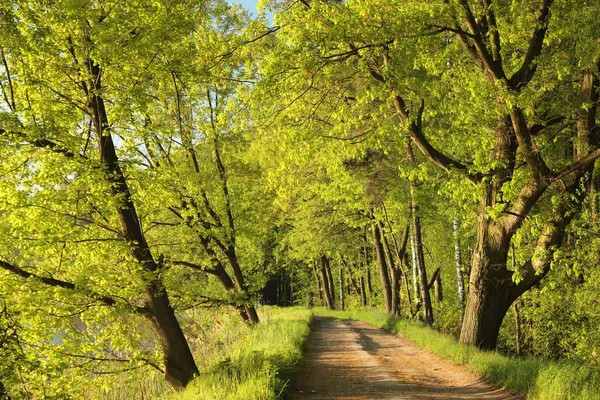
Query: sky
{"type": "Point", "coordinates": [248, 4]}
{"type": "Point", "coordinates": [251, 6]}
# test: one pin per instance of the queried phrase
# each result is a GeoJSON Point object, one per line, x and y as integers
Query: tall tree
{"type": "Point", "coordinates": [501, 80]}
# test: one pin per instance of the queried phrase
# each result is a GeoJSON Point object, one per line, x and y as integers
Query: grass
{"type": "Point", "coordinates": [539, 379]}
{"type": "Point", "coordinates": [259, 365]}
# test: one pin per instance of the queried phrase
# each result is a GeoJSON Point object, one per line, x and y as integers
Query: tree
{"type": "Point", "coordinates": [79, 106]}
{"type": "Point", "coordinates": [490, 87]}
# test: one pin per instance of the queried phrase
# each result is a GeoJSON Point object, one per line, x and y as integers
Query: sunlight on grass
{"type": "Point", "coordinates": [539, 379]}
{"type": "Point", "coordinates": [260, 364]}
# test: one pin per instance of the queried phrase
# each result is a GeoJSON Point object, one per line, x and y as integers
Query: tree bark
{"type": "Point", "coordinates": [342, 299]}
{"type": "Point", "coordinates": [331, 282]}
{"type": "Point", "coordinates": [436, 283]}
{"type": "Point", "coordinates": [180, 367]}
{"type": "Point", "coordinates": [419, 256]}
{"type": "Point", "coordinates": [415, 270]}
{"type": "Point", "coordinates": [394, 272]}
{"type": "Point", "coordinates": [318, 280]}
{"type": "Point", "coordinates": [491, 287]}
{"type": "Point", "coordinates": [363, 292]}
{"type": "Point", "coordinates": [326, 286]}
{"type": "Point", "coordinates": [383, 267]}
{"type": "Point", "coordinates": [517, 328]}
{"type": "Point", "coordinates": [367, 265]}
{"type": "Point", "coordinates": [458, 262]}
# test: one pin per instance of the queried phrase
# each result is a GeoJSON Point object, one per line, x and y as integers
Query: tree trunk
{"type": "Point", "coordinates": [238, 280]}
{"type": "Point", "coordinates": [367, 266]}
{"type": "Point", "coordinates": [318, 280]}
{"type": "Point", "coordinates": [342, 300]}
{"type": "Point", "coordinates": [227, 283]}
{"type": "Point", "coordinates": [459, 274]}
{"type": "Point", "coordinates": [415, 270]}
{"type": "Point", "coordinates": [383, 268]}
{"type": "Point", "coordinates": [180, 367]}
{"type": "Point", "coordinates": [517, 328]}
{"type": "Point", "coordinates": [394, 272]}
{"type": "Point", "coordinates": [351, 281]}
{"type": "Point", "coordinates": [396, 285]}
{"type": "Point", "coordinates": [491, 287]}
{"type": "Point", "coordinates": [363, 292]}
{"type": "Point", "coordinates": [436, 284]}
{"type": "Point", "coordinates": [331, 283]}
{"type": "Point", "coordinates": [326, 287]}
{"type": "Point", "coordinates": [437, 289]}
{"type": "Point", "coordinates": [420, 258]}
{"type": "Point", "coordinates": [594, 197]}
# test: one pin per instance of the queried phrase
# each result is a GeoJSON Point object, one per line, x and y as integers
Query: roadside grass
{"type": "Point", "coordinates": [260, 364]}
{"type": "Point", "coordinates": [538, 379]}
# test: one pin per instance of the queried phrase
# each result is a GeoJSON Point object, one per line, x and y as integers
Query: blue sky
{"type": "Point", "coordinates": [248, 4]}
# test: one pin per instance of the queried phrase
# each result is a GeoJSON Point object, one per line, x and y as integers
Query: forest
{"type": "Point", "coordinates": [172, 169]}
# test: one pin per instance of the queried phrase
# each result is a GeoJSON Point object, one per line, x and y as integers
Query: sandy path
{"type": "Point", "coordinates": [354, 360]}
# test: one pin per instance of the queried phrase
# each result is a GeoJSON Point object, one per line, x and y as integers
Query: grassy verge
{"type": "Point", "coordinates": [539, 379]}
{"type": "Point", "coordinates": [260, 364]}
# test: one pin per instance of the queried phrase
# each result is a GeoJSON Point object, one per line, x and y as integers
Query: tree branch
{"type": "Point", "coordinates": [532, 156]}
{"type": "Point", "coordinates": [493, 31]}
{"type": "Point", "coordinates": [578, 165]}
{"type": "Point", "coordinates": [194, 266]}
{"type": "Point", "coordinates": [524, 75]}
{"type": "Point", "coordinates": [492, 66]}
{"type": "Point", "coordinates": [415, 131]}
{"type": "Point", "coordinates": [109, 301]}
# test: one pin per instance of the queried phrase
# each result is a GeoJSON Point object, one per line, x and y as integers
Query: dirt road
{"type": "Point", "coordinates": [354, 360]}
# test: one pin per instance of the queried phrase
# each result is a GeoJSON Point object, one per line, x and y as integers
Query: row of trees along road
{"type": "Point", "coordinates": [157, 156]}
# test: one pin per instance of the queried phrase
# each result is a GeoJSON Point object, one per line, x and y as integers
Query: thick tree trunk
{"type": "Point", "coordinates": [491, 287]}
{"type": "Point", "coordinates": [327, 290]}
{"type": "Point", "coordinates": [383, 268]}
{"type": "Point", "coordinates": [489, 296]}
{"type": "Point", "coordinates": [180, 367]}
{"type": "Point", "coordinates": [458, 263]}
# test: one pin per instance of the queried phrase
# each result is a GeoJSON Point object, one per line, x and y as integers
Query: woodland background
{"type": "Point", "coordinates": [166, 166]}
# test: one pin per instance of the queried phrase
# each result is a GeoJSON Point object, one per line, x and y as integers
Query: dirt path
{"type": "Point", "coordinates": [354, 360]}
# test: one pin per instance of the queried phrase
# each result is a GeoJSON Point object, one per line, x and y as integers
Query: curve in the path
{"type": "Point", "coordinates": [354, 360]}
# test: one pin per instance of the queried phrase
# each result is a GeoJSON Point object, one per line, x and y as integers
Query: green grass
{"type": "Point", "coordinates": [539, 379]}
{"type": "Point", "coordinates": [260, 364]}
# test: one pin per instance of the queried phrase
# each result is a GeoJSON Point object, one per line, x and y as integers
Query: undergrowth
{"type": "Point", "coordinates": [259, 365]}
{"type": "Point", "coordinates": [537, 378]}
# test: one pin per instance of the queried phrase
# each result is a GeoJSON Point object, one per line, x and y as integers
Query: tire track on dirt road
{"type": "Point", "coordinates": [354, 360]}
